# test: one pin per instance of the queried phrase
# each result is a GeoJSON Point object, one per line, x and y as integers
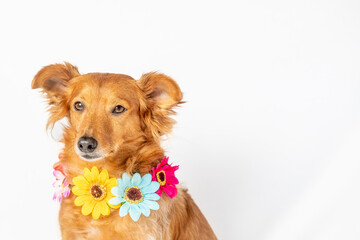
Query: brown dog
{"type": "Point", "coordinates": [119, 121]}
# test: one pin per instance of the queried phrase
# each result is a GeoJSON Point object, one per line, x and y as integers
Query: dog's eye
{"type": "Point", "coordinates": [119, 109]}
{"type": "Point", "coordinates": [79, 106]}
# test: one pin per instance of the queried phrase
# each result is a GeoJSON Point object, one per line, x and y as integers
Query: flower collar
{"type": "Point", "coordinates": [96, 192]}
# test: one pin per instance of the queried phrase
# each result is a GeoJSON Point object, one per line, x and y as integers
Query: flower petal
{"type": "Point", "coordinates": [114, 206]}
{"type": "Point", "coordinates": [81, 182]}
{"type": "Point", "coordinates": [66, 182]}
{"type": "Point", "coordinates": [136, 179]}
{"type": "Point", "coordinates": [125, 179]}
{"type": "Point", "coordinates": [173, 168]}
{"type": "Point", "coordinates": [104, 208]}
{"type": "Point", "coordinates": [152, 196]}
{"type": "Point", "coordinates": [172, 180]}
{"type": "Point", "coordinates": [159, 191]}
{"type": "Point", "coordinates": [124, 209]}
{"type": "Point", "coordinates": [144, 209]}
{"type": "Point", "coordinates": [151, 204]}
{"type": "Point", "coordinates": [116, 192]}
{"type": "Point", "coordinates": [151, 188]}
{"type": "Point", "coordinates": [80, 191]}
{"type": "Point", "coordinates": [165, 167]}
{"type": "Point", "coordinates": [95, 171]}
{"type": "Point", "coordinates": [104, 175]}
{"type": "Point", "coordinates": [110, 183]}
{"type": "Point", "coordinates": [89, 176]}
{"type": "Point", "coordinates": [66, 192]}
{"type": "Point", "coordinates": [120, 183]}
{"type": "Point", "coordinates": [88, 207]}
{"type": "Point", "coordinates": [170, 190]}
{"type": "Point", "coordinates": [97, 210]}
{"type": "Point", "coordinates": [116, 201]}
{"type": "Point", "coordinates": [164, 161]}
{"type": "Point", "coordinates": [146, 180]}
{"type": "Point", "coordinates": [79, 201]}
{"type": "Point", "coordinates": [135, 212]}
{"type": "Point", "coordinates": [58, 175]}
{"type": "Point", "coordinates": [57, 183]}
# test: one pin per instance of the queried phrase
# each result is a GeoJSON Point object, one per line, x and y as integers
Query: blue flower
{"type": "Point", "coordinates": [138, 195]}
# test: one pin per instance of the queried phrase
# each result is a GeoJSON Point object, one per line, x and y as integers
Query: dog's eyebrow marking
{"type": "Point", "coordinates": [79, 98]}
{"type": "Point", "coordinates": [122, 102]}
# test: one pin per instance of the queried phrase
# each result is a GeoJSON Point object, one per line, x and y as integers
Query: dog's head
{"type": "Point", "coordinates": [108, 113]}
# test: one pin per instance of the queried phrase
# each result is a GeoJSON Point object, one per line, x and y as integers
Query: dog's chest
{"type": "Point", "coordinates": [147, 230]}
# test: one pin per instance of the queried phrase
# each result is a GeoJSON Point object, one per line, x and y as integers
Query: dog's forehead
{"type": "Point", "coordinates": [105, 85]}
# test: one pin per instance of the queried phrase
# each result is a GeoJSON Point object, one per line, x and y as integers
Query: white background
{"type": "Point", "coordinates": [268, 141]}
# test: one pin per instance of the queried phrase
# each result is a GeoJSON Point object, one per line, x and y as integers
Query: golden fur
{"type": "Point", "coordinates": [130, 143]}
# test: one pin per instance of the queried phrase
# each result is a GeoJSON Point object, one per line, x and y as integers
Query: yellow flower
{"type": "Point", "coordinates": [93, 191]}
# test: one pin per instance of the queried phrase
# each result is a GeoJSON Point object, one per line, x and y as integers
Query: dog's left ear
{"type": "Point", "coordinates": [162, 94]}
{"type": "Point", "coordinates": [161, 89]}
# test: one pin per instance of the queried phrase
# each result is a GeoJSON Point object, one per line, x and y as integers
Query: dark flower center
{"type": "Point", "coordinates": [134, 194]}
{"type": "Point", "coordinates": [161, 177]}
{"type": "Point", "coordinates": [98, 191]}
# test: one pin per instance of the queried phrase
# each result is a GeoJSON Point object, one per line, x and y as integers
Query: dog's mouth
{"type": "Point", "coordinates": [90, 157]}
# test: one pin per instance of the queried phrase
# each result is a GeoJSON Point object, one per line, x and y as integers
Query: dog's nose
{"type": "Point", "coordinates": [87, 144]}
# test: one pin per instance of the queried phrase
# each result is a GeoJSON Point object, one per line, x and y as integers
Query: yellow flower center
{"type": "Point", "coordinates": [161, 177]}
{"type": "Point", "coordinates": [98, 191]}
{"type": "Point", "coordinates": [133, 195]}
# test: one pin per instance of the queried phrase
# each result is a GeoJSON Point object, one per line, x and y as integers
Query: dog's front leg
{"type": "Point", "coordinates": [67, 235]}
{"type": "Point", "coordinates": [73, 225]}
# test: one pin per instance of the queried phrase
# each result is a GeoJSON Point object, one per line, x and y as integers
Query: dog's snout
{"type": "Point", "coordinates": [87, 144]}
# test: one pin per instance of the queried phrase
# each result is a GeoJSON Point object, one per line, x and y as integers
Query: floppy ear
{"type": "Point", "coordinates": [162, 94]}
{"type": "Point", "coordinates": [53, 80]}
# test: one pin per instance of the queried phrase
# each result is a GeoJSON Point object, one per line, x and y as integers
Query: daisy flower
{"type": "Point", "coordinates": [164, 173]}
{"type": "Point", "coordinates": [93, 191]}
{"type": "Point", "coordinates": [137, 195]}
{"type": "Point", "coordinates": [61, 185]}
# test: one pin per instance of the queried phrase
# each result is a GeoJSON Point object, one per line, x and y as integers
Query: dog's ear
{"type": "Point", "coordinates": [53, 80]}
{"type": "Point", "coordinates": [161, 89]}
{"type": "Point", "coordinates": [162, 94]}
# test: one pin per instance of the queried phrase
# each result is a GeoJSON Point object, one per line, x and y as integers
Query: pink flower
{"type": "Point", "coordinates": [61, 184]}
{"type": "Point", "coordinates": [164, 173]}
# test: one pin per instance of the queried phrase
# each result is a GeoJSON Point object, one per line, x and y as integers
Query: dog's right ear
{"type": "Point", "coordinates": [53, 80]}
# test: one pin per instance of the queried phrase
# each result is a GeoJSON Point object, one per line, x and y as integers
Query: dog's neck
{"type": "Point", "coordinates": [139, 159]}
